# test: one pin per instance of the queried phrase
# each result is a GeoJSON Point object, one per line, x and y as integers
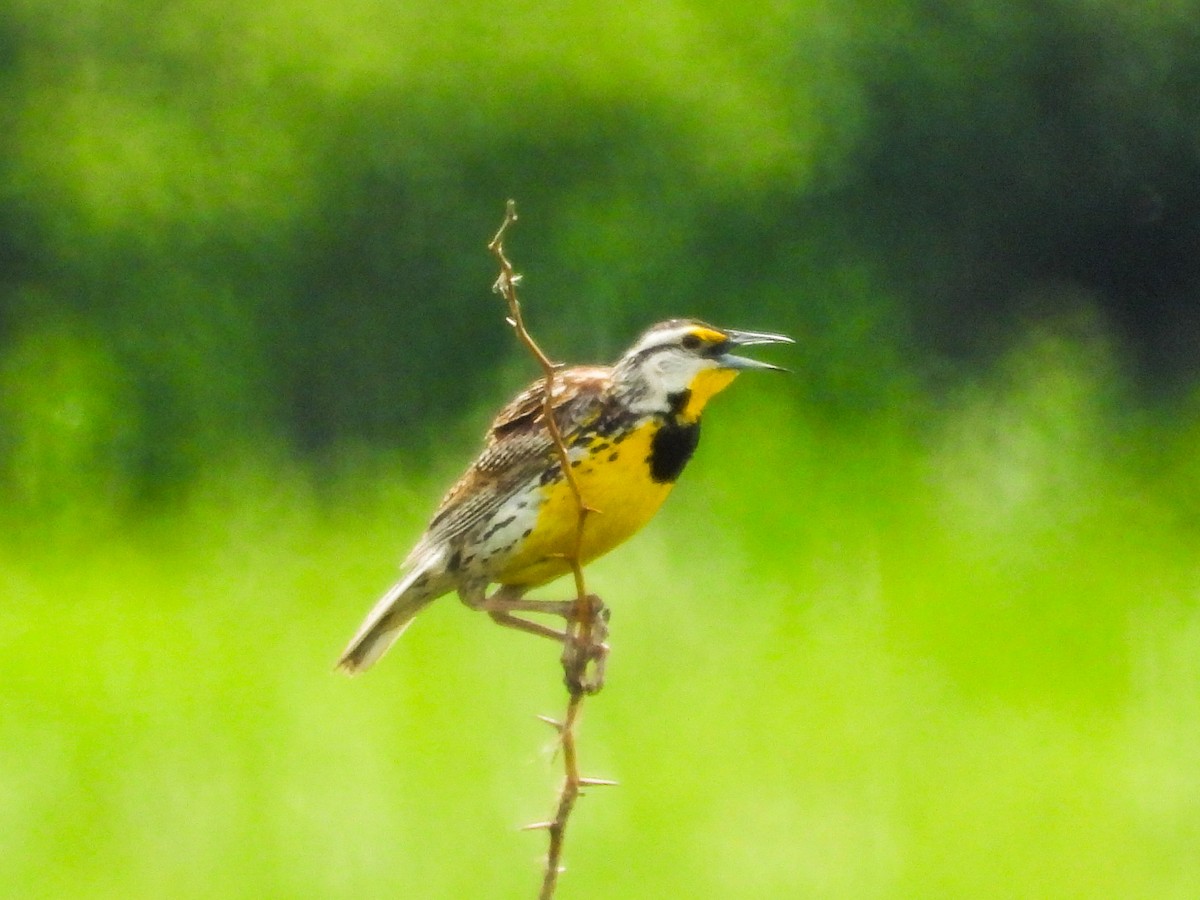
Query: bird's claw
{"type": "Point", "coordinates": [585, 650]}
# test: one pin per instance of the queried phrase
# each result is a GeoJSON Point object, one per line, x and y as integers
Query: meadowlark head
{"type": "Point", "coordinates": [681, 364]}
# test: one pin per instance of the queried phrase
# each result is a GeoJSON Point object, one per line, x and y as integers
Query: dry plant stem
{"type": "Point", "coordinates": [566, 798]}
{"type": "Point", "coordinates": [582, 624]}
{"type": "Point", "coordinates": [581, 647]}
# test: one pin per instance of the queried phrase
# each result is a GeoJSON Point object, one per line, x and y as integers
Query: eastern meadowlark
{"type": "Point", "coordinates": [510, 519]}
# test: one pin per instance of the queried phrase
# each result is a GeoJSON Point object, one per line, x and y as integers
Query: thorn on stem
{"type": "Point", "coordinates": [584, 646]}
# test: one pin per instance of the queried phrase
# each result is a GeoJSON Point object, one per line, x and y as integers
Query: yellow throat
{"type": "Point", "coordinates": [706, 385]}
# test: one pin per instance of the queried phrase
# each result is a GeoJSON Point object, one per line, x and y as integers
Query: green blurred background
{"type": "Point", "coordinates": [922, 620]}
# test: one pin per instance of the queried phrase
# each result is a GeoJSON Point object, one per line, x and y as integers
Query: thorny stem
{"type": "Point", "coordinates": [583, 627]}
{"type": "Point", "coordinates": [506, 286]}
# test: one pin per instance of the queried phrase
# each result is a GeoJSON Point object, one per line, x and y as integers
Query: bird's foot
{"type": "Point", "coordinates": [585, 649]}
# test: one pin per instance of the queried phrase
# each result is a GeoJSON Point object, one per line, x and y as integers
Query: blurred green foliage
{"type": "Point", "coordinates": [271, 218]}
{"type": "Point", "coordinates": [961, 665]}
{"type": "Point", "coordinates": [935, 596]}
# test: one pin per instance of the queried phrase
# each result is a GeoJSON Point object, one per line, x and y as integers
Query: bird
{"type": "Point", "coordinates": [511, 519]}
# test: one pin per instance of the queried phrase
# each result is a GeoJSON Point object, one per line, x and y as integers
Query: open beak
{"type": "Point", "coordinates": [738, 339]}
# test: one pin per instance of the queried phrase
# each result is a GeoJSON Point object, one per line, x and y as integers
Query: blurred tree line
{"type": "Point", "coordinates": [224, 223]}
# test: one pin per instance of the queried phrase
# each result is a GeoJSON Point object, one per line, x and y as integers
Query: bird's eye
{"type": "Point", "coordinates": [690, 342]}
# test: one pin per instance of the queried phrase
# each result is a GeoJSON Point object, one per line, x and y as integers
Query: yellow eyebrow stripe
{"type": "Point", "coordinates": [708, 335]}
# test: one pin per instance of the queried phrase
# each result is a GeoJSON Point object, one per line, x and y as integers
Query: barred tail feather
{"type": "Point", "coordinates": [391, 615]}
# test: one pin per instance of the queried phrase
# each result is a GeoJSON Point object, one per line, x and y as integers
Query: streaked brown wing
{"type": "Point", "coordinates": [526, 408]}
{"type": "Point", "coordinates": [517, 448]}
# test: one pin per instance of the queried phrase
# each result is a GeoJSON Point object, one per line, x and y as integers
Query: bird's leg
{"type": "Point", "coordinates": [583, 649]}
{"type": "Point", "coordinates": [506, 600]}
{"type": "Point", "coordinates": [499, 602]}
{"type": "Point", "coordinates": [510, 621]}
{"type": "Point", "coordinates": [509, 599]}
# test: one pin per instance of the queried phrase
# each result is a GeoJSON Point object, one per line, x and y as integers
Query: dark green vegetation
{"type": "Point", "coordinates": [921, 620]}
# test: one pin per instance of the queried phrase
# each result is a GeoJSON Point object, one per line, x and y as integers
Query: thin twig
{"type": "Point", "coordinates": [582, 647]}
{"type": "Point", "coordinates": [506, 286]}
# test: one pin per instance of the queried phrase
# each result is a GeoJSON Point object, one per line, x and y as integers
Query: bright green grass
{"type": "Point", "coordinates": [950, 653]}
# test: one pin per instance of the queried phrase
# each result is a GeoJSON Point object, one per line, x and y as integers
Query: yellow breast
{"type": "Point", "coordinates": [614, 479]}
